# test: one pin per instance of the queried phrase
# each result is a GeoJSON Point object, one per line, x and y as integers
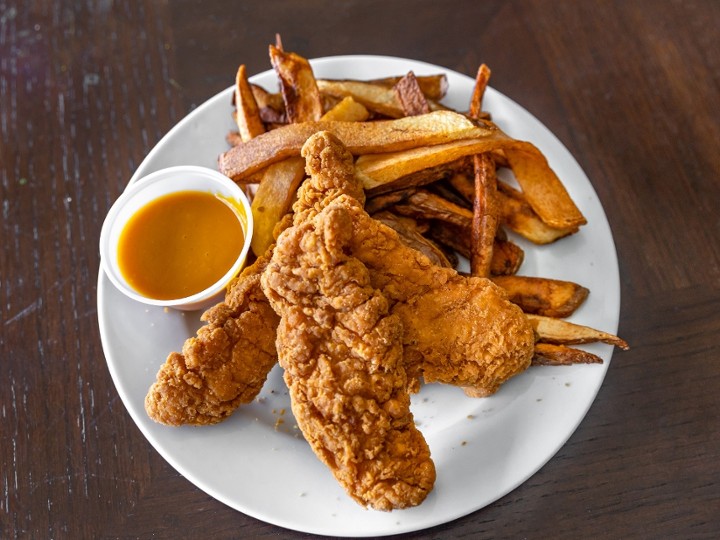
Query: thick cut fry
{"type": "Point", "coordinates": [444, 190]}
{"type": "Point", "coordinates": [267, 99]}
{"type": "Point", "coordinates": [451, 236]}
{"type": "Point", "coordinates": [378, 98]}
{"type": "Point", "coordinates": [298, 86]}
{"type": "Point", "coordinates": [386, 200]}
{"type": "Point", "coordinates": [461, 182]}
{"type": "Point", "coordinates": [507, 257]}
{"type": "Point", "coordinates": [562, 332]}
{"type": "Point", "coordinates": [543, 191]}
{"type": "Point", "coordinates": [422, 177]}
{"type": "Point", "coordinates": [485, 215]}
{"type": "Point", "coordinates": [273, 197]}
{"type": "Point", "coordinates": [485, 208]}
{"type": "Point", "coordinates": [271, 106]}
{"type": "Point", "coordinates": [542, 188]}
{"type": "Point", "coordinates": [407, 229]}
{"type": "Point", "coordinates": [547, 354]}
{"type": "Point", "coordinates": [433, 86]}
{"type": "Point", "coordinates": [411, 96]}
{"type": "Point", "coordinates": [427, 205]}
{"type": "Point", "coordinates": [359, 137]}
{"type": "Point", "coordinates": [543, 296]}
{"type": "Point", "coordinates": [513, 210]}
{"type": "Point", "coordinates": [347, 110]}
{"type": "Point", "coordinates": [481, 81]}
{"type": "Point", "coordinates": [247, 114]}
{"type": "Point", "coordinates": [270, 201]}
{"type": "Point", "coordinates": [519, 216]}
{"type": "Point", "coordinates": [391, 168]}
{"type": "Point", "coordinates": [273, 200]}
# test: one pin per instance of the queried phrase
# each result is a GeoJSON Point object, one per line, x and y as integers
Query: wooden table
{"type": "Point", "coordinates": [631, 87]}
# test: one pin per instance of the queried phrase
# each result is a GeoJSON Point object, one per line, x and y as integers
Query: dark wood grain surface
{"type": "Point", "coordinates": [631, 87]}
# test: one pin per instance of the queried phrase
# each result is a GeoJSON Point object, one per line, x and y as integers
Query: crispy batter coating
{"type": "Point", "coordinates": [225, 365]}
{"type": "Point", "coordinates": [458, 330]}
{"type": "Point", "coordinates": [340, 346]}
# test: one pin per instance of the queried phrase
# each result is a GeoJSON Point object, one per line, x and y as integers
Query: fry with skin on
{"type": "Point", "coordinates": [485, 215]}
{"type": "Point", "coordinates": [518, 216]}
{"type": "Point", "coordinates": [433, 86]}
{"type": "Point", "coordinates": [427, 205]}
{"type": "Point", "coordinates": [279, 184]}
{"type": "Point", "coordinates": [421, 177]}
{"type": "Point", "coordinates": [481, 81]}
{"type": "Point", "coordinates": [247, 115]}
{"type": "Point", "coordinates": [379, 98]}
{"type": "Point", "coordinates": [386, 200]}
{"type": "Point", "coordinates": [543, 296]}
{"type": "Point", "coordinates": [445, 190]}
{"type": "Point", "coordinates": [408, 231]}
{"type": "Point", "coordinates": [541, 186]}
{"type": "Point", "coordinates": [455, 229]}
{"type": "Point", "coordinates": [485, 208]}
{"type": "Point", "coordinates": [411, 96]}
{"type": "Point", "coordinates": [433, 128]}
{"type": "Point", "coordinates": [271, 106]}
{"type": "Point", "coordinates": [270, 200]}
{"type": "Point", "coordinates": [562, 332]}
{"type": "Point", "coordinates": [233, 138]}
{"type": "Point", "coordinates": [513, 210]}
{"type": "Point", "coordinates": [507, 256]}
{"type": "Point", "coordinates": [548, 354]}
{"type": "Point", "coordinates": [297, 85]}
{"type": "Point", "coordinates": [463, 184]}
{"type": "Point", "coordinates": [273, 199]}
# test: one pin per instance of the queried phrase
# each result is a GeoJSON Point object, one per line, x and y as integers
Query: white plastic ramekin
{"type": "Point", "coordinates": [158, 184]}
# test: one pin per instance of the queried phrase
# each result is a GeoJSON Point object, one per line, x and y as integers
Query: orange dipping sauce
{"type": "Point", "coordinates": [180, 244]}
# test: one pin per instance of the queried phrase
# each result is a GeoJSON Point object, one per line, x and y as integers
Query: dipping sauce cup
{"type": "Point", "coordinates": [166, 240]}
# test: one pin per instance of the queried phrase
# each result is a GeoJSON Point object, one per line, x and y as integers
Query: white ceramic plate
{"type": "Point", "coordinates": [258, 463]}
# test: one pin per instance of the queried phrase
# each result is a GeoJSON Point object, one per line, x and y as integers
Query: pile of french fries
{"type": "Point", "coordinates": [429, 172]}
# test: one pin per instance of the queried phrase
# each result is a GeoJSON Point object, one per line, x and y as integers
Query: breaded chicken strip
{"type": "Point", "coordinates": [340, 346]}
{"type": "Point", "coordinates": [226, 364]}
{"type": "Point", "coordinates": [458, 330]}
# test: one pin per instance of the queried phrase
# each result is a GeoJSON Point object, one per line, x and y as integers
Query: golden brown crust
{"type": "Point", "coordinates": [458, 330]}
{"type": "Point", "coordinates": [341, 348]}
{"type": "Point", "coordinates": [225, 364]}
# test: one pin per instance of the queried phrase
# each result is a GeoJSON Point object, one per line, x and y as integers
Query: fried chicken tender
{"type": "Point", "coordinates": [458, 330]}
{"type": "Point", "coordinates": [226, 364]}
{"type": "Point", "coordinates": [340, 346]}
